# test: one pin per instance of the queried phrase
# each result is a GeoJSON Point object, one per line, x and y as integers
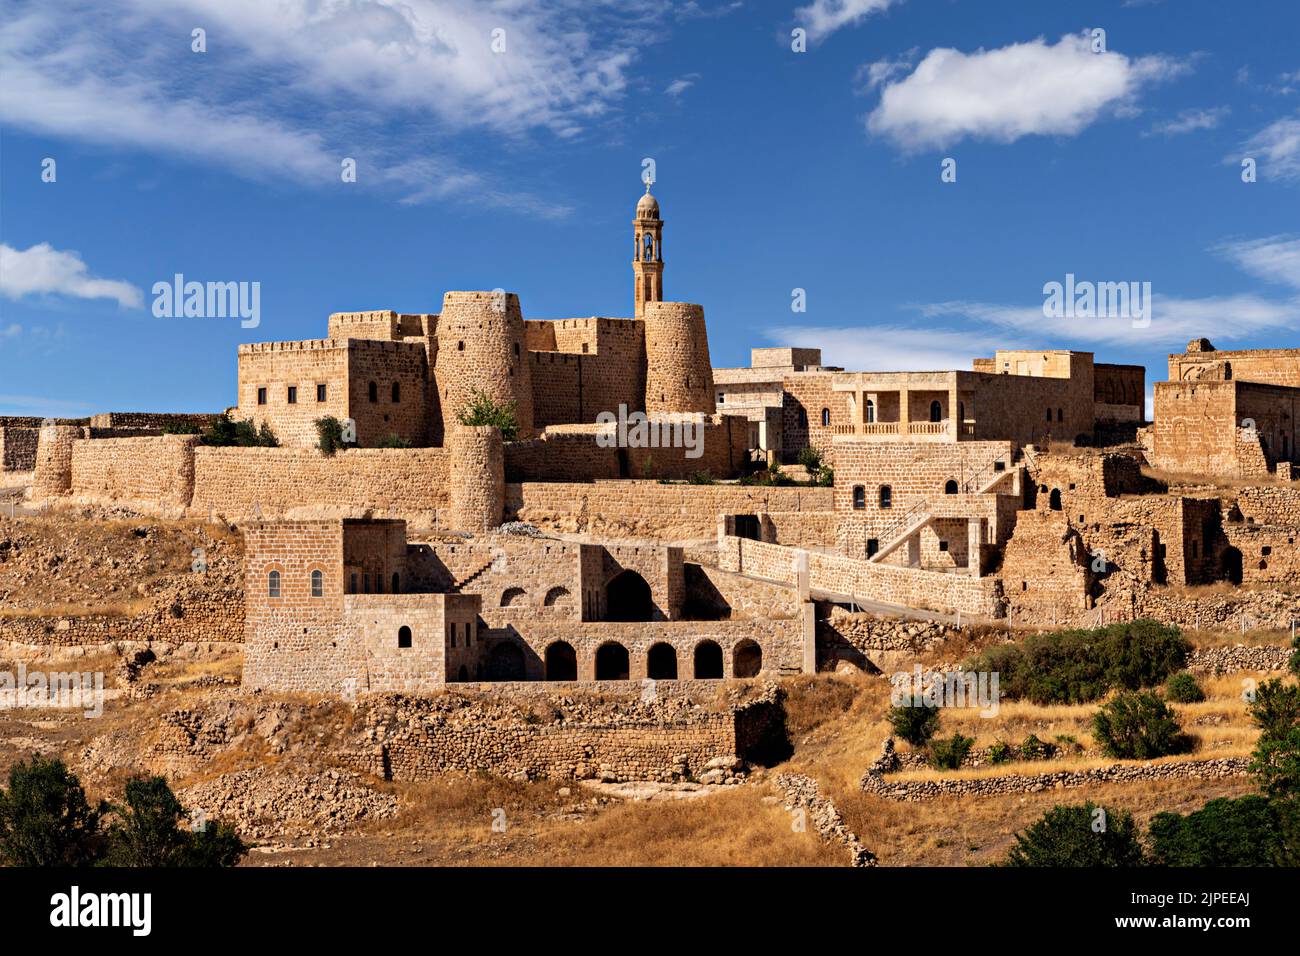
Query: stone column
{"type": "Point", "coordinates": [974, 542]}
{"type": "Point", "coordinates": [914, 550]}
{"type": "Point", "coordinates": [477, 477]}
{"type": "Point", "coordinates": [53, 475]}
{"type": "Point", "coordinates": [904, 411]}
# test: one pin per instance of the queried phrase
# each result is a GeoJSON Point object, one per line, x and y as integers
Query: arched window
{"type": "Point", "coordinates": [561, 661]}
{"type": "Point", "coordinates": [397, 392]}
{"type": "Point", "coordinates": [746, 659]}
{"type": "Point", "coordinates": [513, 596]}
{"type": "Point", "coordinates": [886, 497]}
{"type": "Point", "coordinates": [871, 411]}
{"type": "Point", "coordinates": [374, 392]}
{"type": "Point", "coordinates": [661, 662]}
{"type": "Point", "coordinates": [611, 662]}
{"type": "Point", "coordinates": [803, 418]}
{"type": "Point", "coordinates": [1049, 415]}
{"type": "Point", "coordinates": [961, 411]}
{"type": "Point", "coordinates": [826, 417]}
{"type": "Point", "coordinates": [1060, 414]}
{"type": "Point", "coordinates": [859, 497]}
{"type": "Point", "coordinates": [404, 636]}
{"type": "Point", "coordinates": [317, 584]}
{"type": "Point", "coordinates": [708, 661]}
{"type": "Point", "coordinates": [936, 412]}
{"type": "Point", "coordinates": [950, 487]}
{"type": "Point", "coordinates": [273, 584]}
{"type": "Point", "coordinates": [396, 583]}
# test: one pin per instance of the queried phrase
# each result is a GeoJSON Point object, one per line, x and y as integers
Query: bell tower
{"type": "Point", "coordinates": [648, 254]}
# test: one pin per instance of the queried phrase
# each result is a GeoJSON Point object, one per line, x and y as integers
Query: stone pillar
{"type": "Point", "coordinates": [904, 411]}
{"type": "Point", "coordinates": [974, 545]}
{"type": "Point", "coordinates": [914, 550]}
{"type": "Point", "coordinates": [477, 476]}
{"type": "Point", "coordinates": [53, 474]}
{"type": "Point", "coordinates": [808, 619]}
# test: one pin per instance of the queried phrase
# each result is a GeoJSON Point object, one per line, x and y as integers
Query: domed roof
{"type": "Point", "coordinates": [648, 206]}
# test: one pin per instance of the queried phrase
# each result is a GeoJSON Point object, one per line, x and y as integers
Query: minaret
{"type": "Point", "coordinates": [648, 254]}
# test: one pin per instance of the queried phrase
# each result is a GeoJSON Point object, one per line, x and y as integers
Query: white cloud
{"type": "Point", "coordinates": [680, 85]}
{"type": "Point", "coordinates": [1277, 150]}
{"type": "Point", "coordinates": [44, 270]}
{"type": "Point", "coordinates": [1189, 120]}
{"type": "Point", "coordinates": [872, 75]}
{"type": "Point", "coordinates": [888, 348]}
{"type": "Point", "coordinates": [1024, 89]}
{"type": "Point", "coordinates": [821, 18]}
{"type": "Point", "coordinates": [11, 331]}
{"type": "Point", "coordinates": [1273, 259]}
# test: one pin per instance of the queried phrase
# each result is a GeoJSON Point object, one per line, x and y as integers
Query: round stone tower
{"type": "Point", "coordinates": [679, 377]}
{"type": "Point", "coordinates": [53, 475]}
{"type": "Point", "coordinates": [477, 476]}
{"type": "Point", "coordinates": [481, 346]}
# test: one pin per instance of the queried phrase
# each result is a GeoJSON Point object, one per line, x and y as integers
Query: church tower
{"type": "Point", "coordinates": [648, 254]}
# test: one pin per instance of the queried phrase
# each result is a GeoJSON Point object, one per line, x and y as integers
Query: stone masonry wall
{"type": "Point", "coordinates": [147, 470]}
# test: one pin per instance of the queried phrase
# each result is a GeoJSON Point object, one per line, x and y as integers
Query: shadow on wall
{"type": "Point", "coordinates": [762, 737]}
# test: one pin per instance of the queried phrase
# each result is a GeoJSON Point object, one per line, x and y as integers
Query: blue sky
{"type": "Point", "coordinates": [776, 170]}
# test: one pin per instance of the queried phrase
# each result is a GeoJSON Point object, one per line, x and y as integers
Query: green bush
{"type": "Point", "coordinates": [825, 477]}
{"type": "Point", "coordinates": [948, 754]}
{"type": "Point", "coordinates": [1138, 725]}
{"type": "Point", "coordinates": [151, 830]}
{"type": "Point", "coordinates": [1250, 831]}
{"type": "Point", "coordinates": [810, 458]}
{"type": "Point", "coordinates": [1082, 835]}
{"type": "Point", "coordinates": [45, 819]}
{"type": "Point", "coordinates": [395, 441]}
{"type": "Point", "coordinates": [1276, 758]}
{"type": "Point", "coordinates": [1001, 752]}
{"type": "Point", "coordinates": [1183, 688]}
{"type": "Point", "coordinates": [914, 723]}
{"type": "Point", "coordinates": [482, 409]}
{"type": "Point", "coordinates": [1077, 667]}
{"type": "Point", "coordinates": [1034, 749]}
{"type": "Point", "coordinates": [700, 478]}
{"type": "Point", "coordinates": [226, 432]}
{"type": "Point", "coordinates": [181, 428]}
{"type": "Point", "coordinates": [329, 435]}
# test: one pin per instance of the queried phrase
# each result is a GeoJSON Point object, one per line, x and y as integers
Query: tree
{"type": "Point", "coordinates": [810, 458]}
{"type": "Point", "coordinates": [914, 723]}
{"type": "Point", "coordinates": [1138, 726]}
{"type": "Point", "coordinates": [482, 409]}
{"type": "Point", "coordinates": [1078, 835]}
{"type": "Point", "coordinates": [45, 819]}
{"type": "Point", "coordinates": [1251, 831]}
{"type": "Point", "coordinates": [1276, 758]}
{"type": "Point", "coordinates": [1183, 688]}
{"type": "Point", "coordinates": [329, 434]}
{"type": "Point", "coordinates": [150, 831]}
{"type": "Point", "coordinates": [948, 754]}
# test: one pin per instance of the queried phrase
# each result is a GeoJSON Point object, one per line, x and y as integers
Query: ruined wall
{"type": "Point", "coordinates": [18, 448]}
{"type": "Point", "coordinates": [714, 593]}
{"type": "Point", "coordinates": [1227, 429]}
{"type": "Point", "coordinates": [1045, 568]}
{"type": "Point", "coordinates": [148, 421]}
{"type": "Point", "coordinates": [1119, 392]}
{"type": "Point", "coordinates": [155, 470]}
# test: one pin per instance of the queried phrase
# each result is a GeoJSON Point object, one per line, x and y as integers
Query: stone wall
{"type": "Point", "coordinates": [53, 472]}
{"type": "Point", "coordinates": [481, 347]}
{"type": "Point", "coordinates": [18, 448]}
{"type": "Point", "coordinates": [477, 470]}
{"type": "Point", "coordinates": [679, 375]}
{"type": "Point", "coordinates": [145, 471]}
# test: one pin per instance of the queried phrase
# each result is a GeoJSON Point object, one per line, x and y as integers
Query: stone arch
{"type": "Point", "coordinates": [936, 411]}
{"type": "Point", "coordinates": [558, 596]}
{"type": "Point", "coordinates": [826, 418]}
{"type": "Point", "coordinates": [871, 411]}
{"type": "Point", "coordinates": [628, 598]}
{"type": "Point", "coordinates": [708, 660]}
{"type": "Point", "coordinates": [612, 662]}
{"type": "Point", "coordinates": [661, 662]}
{"type": "Point", "coordinates": [746, 659]}
{"type": "Point", "coordinates": [1054, 499]}
{"type": "Point", "coordinates": [561, 661]}
{"type": "Point", "coordinates": [404, 636]}
{"type": "Point", "coordinates": [513, 596]}
{"type": "Point", "coordinates": [950, 487]}
{"type": "Point", "coordinates": [273, 583]}
{"type": "Point", "coordinates": [506, 662]}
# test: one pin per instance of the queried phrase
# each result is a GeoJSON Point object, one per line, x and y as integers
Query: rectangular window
{"type": "Point", "coordinates": [353, 589]}
{"type": "Point", "coordinates": [365, 580]}
{"type": "Point", "coordinates": [469, 634]}
{"type": "Point", "coordinates": [320, 393]}
{"type": "Point", "coordinates": [293, 394]}
{"type": "Point", "coordinates": [943, 545]}
{"type": "Point", "coordinates": [261, 396]}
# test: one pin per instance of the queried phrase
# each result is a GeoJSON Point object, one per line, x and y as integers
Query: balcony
{"type": "Point", "coordinates": [932, 431]}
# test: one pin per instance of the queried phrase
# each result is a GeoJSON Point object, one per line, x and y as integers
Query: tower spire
{"type": "Point", "coordinates": [647, 253]}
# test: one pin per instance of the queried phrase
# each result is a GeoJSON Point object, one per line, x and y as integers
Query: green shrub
{"type": "Point", "coordinates": [151, 830]}
{"type": "Point", "coordinates": [1077, 667]}
{"type": "Point", "coordinates": [1276, 758]}
{"type": "Point", "coordinates": [825, 477]}
{"type": "Point", "coordinates": [1250, 831]}
{"type": "Point", "coordinates": [700, 478]}
{"type": "Point", "coordinates": [915, 724]}
{"type": "Point", "coordinates": [329, 434]}
{"type": "Point", "coordinates": [395, 441]}
{"type": "Point", "coordinates": [810, 458]}
{"type": "Point", "coordinates": [45, 819]}
{"type": "Point", "coordinates": [1183, 688]}
{"type": "Point", "coordinates": [948, 754]}
{"type": "Point", "coordinates": [1082, 835]}
{"type": "Point", "coordinates": [1138, 726]}
{"type": "Point", "coordinates": [482, 409]}
{"type": "Point", "coordinates": [1034, 749]}
{"type": "Point", "coordinates": [181, 428]}
{"type": "Point", "coordinates": [1001, 752]}
{"type": "Point", "coordinates": [225, 432]}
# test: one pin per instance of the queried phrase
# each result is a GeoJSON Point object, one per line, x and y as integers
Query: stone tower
{"type": "Point", "coordinates": [679, 376]}
{"type": "Point", "coordinates": [477, 476]}
{"type": "Point", "coordinates": [481, 346]}
{"type": "Point", "coordinates": [647, 253]}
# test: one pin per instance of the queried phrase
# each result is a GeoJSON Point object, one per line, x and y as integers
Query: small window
{"type": "Point", "coordinates": [317, 584]}
{"type": "Point", "coordinates": [950, 488]}
{"type": "Point", "coordinates": [404, 636]}
{"type": "Point", "coordinates": [516, 350]}
{"type": "Point", "coordinates": [261, 396]}
{"type": "Point", "coordinates": [453, 635]}
{"type": "Point", "coordinates": [273, 584]}
{"type": "Point", "coordinates": [803, 418]}
{"type": "Point", "coordinates": [936, 412]}
{"type": "Point", "coordinates": [871, 411]}
{"type": "Point", "coordinates": [859, 497]}
{"type": "Point", "coordinates": [365, 582]}
{"type": "Point", "coordinates": [352, 588]}
{"type": "Point", "coordinates": [396, 583]}
{"type": "Point", "coordinates": [374, 392]}
{"type": "Point", "coordinates": [886, 497]}
{"type": "Point", "coordinates": [469, 633]}
{"type": "Point", "coordinates": [397, 392]}
{"type": "Point", "coordinates": [320, 393]}
{"type": "Point", "coordinates": [873, 545]}
{"type": "Point", "coordinates": [1060, 414]}
{"type": "Point", "coordinates": [943, 545]}
{"type": "Point", "coordinates": [1049, 415]}
{"type": "Point", "coordinates": [826, 417]}
{"type": "Point", "coordinates": [293, 395]}
{"type": "Point", "coordinates": [460, 346]}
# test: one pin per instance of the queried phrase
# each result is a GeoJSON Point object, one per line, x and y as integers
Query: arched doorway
{"type": "Point", "coordinates": [708, 661]}
{"type": "Point", "coordinates": [936, 412]}
{"type": "Point", "coordinates": [746, 659]}
{"type": "Point", "coordinates": [612, 662]}
{"type": "Point", "coordinates": [661, 662]}
{"type": "Point", "coordinates": [561, 661]}
{"type": "Point", "coordinates": [506, 663]}
{"type": "Point", "coordinates": [1232, 565]}
{"type": "Point", "coordinates": [1054, 500]}
{"type": "Point", "coordinates": [627, 598]}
